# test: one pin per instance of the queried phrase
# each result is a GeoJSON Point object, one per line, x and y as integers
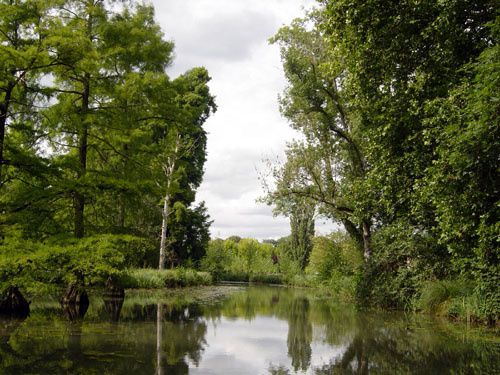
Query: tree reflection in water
{"type": "Point", "coordinates": [288, 330]}
{"type": "Point", "coordinates": [180, 338]}
{"type": "Point", "coordinates": [299, 334]}
{"type": "Point", "coordinates": [390, 347]}
{"type": "Point", "coordinates": [159, 339]}
{"type": "Point", "coordinates": [113, 307]}
{"type": "Point", "coordinates": [7, 328]}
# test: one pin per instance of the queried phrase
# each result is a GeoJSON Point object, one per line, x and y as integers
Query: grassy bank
{"type": "Point", "coordinates": [455, 299]}
{"type": "Point", "coordinates": [252, 278]}
{"type": "Point", "coordinates": [156, 279]}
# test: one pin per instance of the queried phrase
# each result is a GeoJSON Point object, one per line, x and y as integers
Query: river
{"type": "Point", "coordinates": [238, 330]}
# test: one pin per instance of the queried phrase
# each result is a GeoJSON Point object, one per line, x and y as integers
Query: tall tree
{"type": "Point", "coordinates": [328, 165]}
{"type": "Point", "coordinates": [24, 56]}
{"type": "Point", "coordinates": [302, 232]}
{"type": "Point", "coordinates": [196, 104]}
{"type": "Point", "coordinates": [98, 54]}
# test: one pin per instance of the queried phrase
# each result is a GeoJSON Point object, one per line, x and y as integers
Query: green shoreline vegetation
{"type": "Point", "coordinates": [101, 155]}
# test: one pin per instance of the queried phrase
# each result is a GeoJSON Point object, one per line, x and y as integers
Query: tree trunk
{"type": "Point", "coordinates": [354, 232]}
{"type": "Point", "coordinates": [79, 197]}
{"type": "Point", "coordinates": [163, 239]}
{"type": "Point", "coordinates": [4, 110]}
{"type": "Point", "coordinates": [367, 246]}
{"type": "Point", "coordinates": [159, 334]}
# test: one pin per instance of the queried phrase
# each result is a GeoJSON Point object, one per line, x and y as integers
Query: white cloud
{"type": "Point", "coordinates": [238, 346]}
{"type": "Point", "coordinates": [229, 38]}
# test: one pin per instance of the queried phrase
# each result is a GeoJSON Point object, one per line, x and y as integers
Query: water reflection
{"type": "Point", "coordinates": [113, 307]}
{"type": "Point", "coordinates": [251, 331]}
{"type": "Point", "coordinates": [299, 334]}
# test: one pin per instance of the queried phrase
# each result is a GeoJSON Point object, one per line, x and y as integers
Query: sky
{"type": "Point", "coordinates": [230, 39]}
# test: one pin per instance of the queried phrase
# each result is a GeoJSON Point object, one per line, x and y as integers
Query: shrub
{"type": "Point", "coordinates": [455, 298]}
{"type": "Point", "coordinates": [90, 260]}
{"type": "Point", "coordinates": [334, 262]}
{"type": "Point", "coordinates": [216, 260]}
{"type": "Point", "coordinates": [239, 261]}
{"type": "Point", "coordinates": [404, 257]}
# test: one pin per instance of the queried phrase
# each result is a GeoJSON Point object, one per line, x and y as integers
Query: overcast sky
{"type": "Point", "coordinates": [229, 38]}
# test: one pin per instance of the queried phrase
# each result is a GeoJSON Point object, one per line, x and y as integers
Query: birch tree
{"type": "Point", "coordinates": [177, 148]}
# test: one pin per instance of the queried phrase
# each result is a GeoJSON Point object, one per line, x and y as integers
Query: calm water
{"type": "Point", "coordinates": [237, 330]}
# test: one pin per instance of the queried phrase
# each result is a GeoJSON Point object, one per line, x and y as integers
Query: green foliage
{"type": "Point", "coordinates": [335, 264]}
{"type": "Point", "coordinates": [88, 116]}
{"type": "Point", "coordinates": [245, 260]}
{"type": "Point", "coordinates": [189, 234]}
{"type": "Point", "coordinates": [91, 260]}
{"type": "Point", "coordinates": [404, 257]}
{"type": "Point", "coordinates": [398, 110]}
{"type": "Point", "coordinates": [335, 252]}
{"type": "Point", "coordinates": [435, 294]}
{"type": "Point", "coordinates": [458, 299]}
{"type": "Point", "coordinates": [216, 259]}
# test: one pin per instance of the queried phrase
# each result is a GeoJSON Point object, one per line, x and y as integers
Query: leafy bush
{"type": "Point", "coordinates": [434, 294]}
{"type": "Point", "coordinates": [90, 260]}
{"type": "Point", "coordinates": [334, 262]}
{"type": "Point", "coordinates": [216, 260]}
{"type": "Point", "coordinates": [404, 257]}
{"type": "Point", "coordinates": [457, 299]}
{"type": "Point", "coordinates": [239, 261]}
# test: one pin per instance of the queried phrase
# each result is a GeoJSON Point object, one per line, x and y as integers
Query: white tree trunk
{"type": "Point", "coordinates": [159, 334]}
{"type": "Point", "coordinates": [168, 169]}
{"type": "Point", "coordinates": [163, 239]}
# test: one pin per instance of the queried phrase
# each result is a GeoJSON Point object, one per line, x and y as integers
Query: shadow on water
{"type": "Point", "coordinates": [256, 330]}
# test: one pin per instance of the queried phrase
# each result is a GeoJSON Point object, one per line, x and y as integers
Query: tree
{"type": "Point", "coordinates": [327, 166]}
{"type": "Point", "coordinates": [398, 58]}
{"type": "Point", "coordinates": [302, 232]}
{"type": "Point", "coordinates": [182, 150]}
{"type": "Point", "coordinates": [23, 36]}
{"type": "Point", "coordinates": [190, 232]}
{"type": "Point", "coordinates": [462, 183]}
{"type": "Point", "coordinates": [97, 54]}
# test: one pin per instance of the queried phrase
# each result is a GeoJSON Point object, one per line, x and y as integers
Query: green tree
{"type": "Point", "coordinates": [24, 57]}
{"type": "Point", "coordinates": [302, 231]}
{"type": "Point", "coordinates": [327, 166]}
{"type": "Point", "coordinates": [96, 55]}
{"type": "Point", "coordinates": [462, 182]}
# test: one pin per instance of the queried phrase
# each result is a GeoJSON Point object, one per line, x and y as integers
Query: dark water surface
{"type": "Point", "coordinates": [238, 330]}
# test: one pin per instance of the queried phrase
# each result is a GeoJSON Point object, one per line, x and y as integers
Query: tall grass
{"type": "Point", "coordinates": [156, 279]}
{"type": "Point", "coordinates": [451, 298]}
